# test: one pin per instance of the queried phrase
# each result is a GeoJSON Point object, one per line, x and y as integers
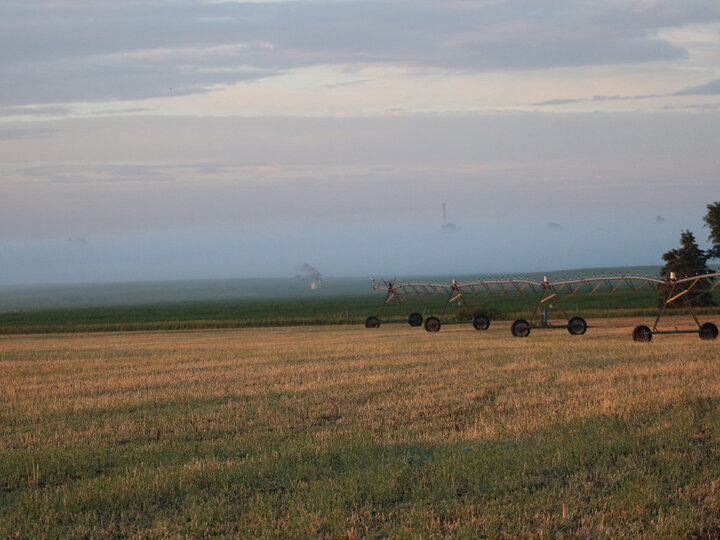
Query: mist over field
{"type": "Point", "coordinates": [352, 197]}
{"type": "Point", "coordinates": [71, 295]}
{"type": "Point", "coordinates": [502, 247]}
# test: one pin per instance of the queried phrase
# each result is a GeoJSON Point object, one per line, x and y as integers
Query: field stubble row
{"type": "Point", "coordinates": [344, 431]}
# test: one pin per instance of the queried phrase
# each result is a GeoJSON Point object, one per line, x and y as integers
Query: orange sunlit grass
{"type": "Point", "coordinates": [348, 431]}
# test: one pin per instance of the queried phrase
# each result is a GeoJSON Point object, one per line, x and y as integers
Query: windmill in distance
{"type": "Point", "coordinates": [447, 227]}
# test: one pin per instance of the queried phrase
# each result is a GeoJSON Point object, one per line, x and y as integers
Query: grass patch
{"type": "Point", "coordinates": [345, 432]}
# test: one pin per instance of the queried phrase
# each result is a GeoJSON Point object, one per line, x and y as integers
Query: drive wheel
{"type": "Point", "coordinates": [642, 334]}
{"type": "Point", "coordinates": [372, 322]}
{"type": "Point", "coordinates": [480, 322]}
{"type": "Point", "coordinates": [415, 319]}
{"type": "Point", "coordinates": [708, 331]}
{"type": "Point", "coordinates": [577, 326]}
{"type": "Point", "coordinates": [432, 324]}
{"type": "Point", "coordinates": [520, 328]}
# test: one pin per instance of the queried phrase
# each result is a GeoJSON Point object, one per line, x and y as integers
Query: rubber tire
{"type": "Point", "coordinates": [432, 324]}
{"type": "Point", "coordinates": [372, 322]}
{"type": "Point", "coordinates": [708, 331]}
{"type": "Point", "coordinates": [480, 322]}
{"type": "Point", "coordinates": [415, 320]}
{"type": "Point", "coordinates": [520, 328]}
{"type": "Point", "coordinates": [577, 326]}
{"type": "Point", "coordinates": [642, 334]}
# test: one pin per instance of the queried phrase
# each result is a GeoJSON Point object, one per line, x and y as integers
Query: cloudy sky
{"type": "Point", "coordinates": [165, 139]}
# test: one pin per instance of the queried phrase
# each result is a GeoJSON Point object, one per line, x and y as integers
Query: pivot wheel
{"type": "Point", "coordinates": [481, 322]}
{"type": "Point", "coordinates": [432, 324]}
{"type": "Point", "coordinates": [577, 326]}
{"type": "Point", "coordinates": [520, 328]}
{"type": "Point", "coordinates": [642, 334]}
{"type": "Point", "coordinates": [708, 331]}
{"type": "Point", "coordinates": [415, 319]}
{"type": "Point", "coordinates": [372, 322]}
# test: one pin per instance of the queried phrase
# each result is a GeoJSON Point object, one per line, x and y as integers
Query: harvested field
{"type": "Point", "coordinates": [350, 432]}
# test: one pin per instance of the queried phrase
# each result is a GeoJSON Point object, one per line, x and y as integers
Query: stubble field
{"type": "Point", "coordinates": [350, 432]}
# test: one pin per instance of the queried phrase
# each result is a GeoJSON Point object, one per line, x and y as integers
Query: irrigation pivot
{"type": "Point", "coordinates": [680, 290]}
{"type": "Point", "coordinates": [684, 290]}
{"type": "Point", "coordinates": [400, 292]}
{"type": "Point", "coordinates": [397, 293]}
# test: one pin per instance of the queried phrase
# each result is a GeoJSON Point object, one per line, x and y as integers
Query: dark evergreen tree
{"type": "Point", "coordinates": [712, 221]}
{"type": "Point", "coordinates": [687, 261]}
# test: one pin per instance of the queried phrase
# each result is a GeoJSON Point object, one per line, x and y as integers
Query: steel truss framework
{"type": "Point", "coordinates": [683, 290]}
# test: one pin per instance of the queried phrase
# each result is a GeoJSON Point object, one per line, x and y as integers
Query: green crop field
{"type": "Point", "coordinates": [246, 303]}
{"type": "Point", "coordinates": [330, 310]}
{"type": "Point", "coordinates": [347, 432]}
{"type": "Point", "coordinates": [279, 302]}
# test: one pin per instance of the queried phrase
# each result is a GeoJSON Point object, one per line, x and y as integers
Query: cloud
{"type": "Point", "coordinates": [51, 110]}
{"type": "Point", "coordinates": [565, 101]}
{"type": "Point", "coordinates": [542, 167]}
{"type": "Point", "coordinates": [596, 99]}
{"type": "Point", "coordinates": [710, 89]}
{"type": "Point", "coordinates": [64, 52]}
{"type": "Point", "coordinates": [14, 134]}
{"type": "Point", "coordinates": [124, 173]}
{"type": "Point", "coordinates": [699, 107]}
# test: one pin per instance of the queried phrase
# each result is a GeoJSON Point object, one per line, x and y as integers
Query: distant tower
{"type": "Point", "coordinates": [447, 227]}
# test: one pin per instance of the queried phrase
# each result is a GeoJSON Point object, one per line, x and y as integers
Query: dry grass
{"type": "Point", "coordinates": [348, 432]}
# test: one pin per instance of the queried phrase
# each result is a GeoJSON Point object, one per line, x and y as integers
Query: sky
{"type": "Point", "coordinates": [169, 139]}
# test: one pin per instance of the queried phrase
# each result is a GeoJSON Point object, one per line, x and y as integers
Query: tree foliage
{"type": "Point", "coordinates": [712, 221]}
{"type": "Point", "coordinates": [687, 261]}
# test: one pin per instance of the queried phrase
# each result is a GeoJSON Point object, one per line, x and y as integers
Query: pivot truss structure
{"type": "Point", "coordinates": [682, 291]}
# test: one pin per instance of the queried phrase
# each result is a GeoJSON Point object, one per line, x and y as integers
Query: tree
{"type": "Point", "coordinates": [712, 221]}
{"type": "Point", "coordinates": [687, 261]}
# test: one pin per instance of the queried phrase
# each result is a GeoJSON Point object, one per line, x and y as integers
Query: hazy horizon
{"type": "Point", "coordinates": [377, 251]}
{"type": "Point", "coordinates": [81, 295]}
{"type": "Point", "coordinates": [217, 139]}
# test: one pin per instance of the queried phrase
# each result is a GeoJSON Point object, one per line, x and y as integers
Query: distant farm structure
{"type": "Point", "coordinates": [310, 274]}
{"type": "Point", "coordinates": [446, 226]}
